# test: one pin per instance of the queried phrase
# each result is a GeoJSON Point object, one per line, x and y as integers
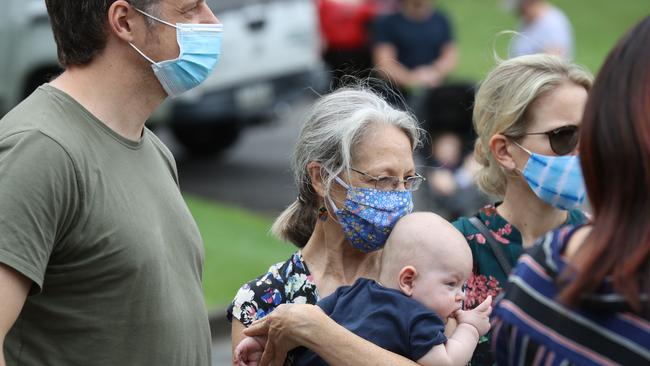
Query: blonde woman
{"type": "Point", "coordinates": [527, 118]}
{"type": "Point", "coordinates": [582, 296]}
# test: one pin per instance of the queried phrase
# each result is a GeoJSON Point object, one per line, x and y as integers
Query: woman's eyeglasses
{"type": "Point", "coordinates": [563, 140]}
{"type": "Point", "coordinates": [390, 183]}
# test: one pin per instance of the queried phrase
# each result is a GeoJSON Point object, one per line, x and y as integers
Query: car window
{"type": "Point", "coordinates": [218, 6]}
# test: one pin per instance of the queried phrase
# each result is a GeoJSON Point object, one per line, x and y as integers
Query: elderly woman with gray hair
{"type": "Point", "coordinates": [353, 165]}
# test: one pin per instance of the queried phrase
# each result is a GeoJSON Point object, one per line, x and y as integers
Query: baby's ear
{"type": "Point", "coordinates": [406, 279]}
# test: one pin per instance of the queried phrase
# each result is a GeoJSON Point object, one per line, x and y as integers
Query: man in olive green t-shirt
{"type": "Point", "coordinates": [100, 259]}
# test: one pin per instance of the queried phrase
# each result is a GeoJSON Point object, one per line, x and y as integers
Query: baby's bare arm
{"type": "Point", "coordinates": [457, 351]}
{"type": "Point", "coordinates": [461, 344]}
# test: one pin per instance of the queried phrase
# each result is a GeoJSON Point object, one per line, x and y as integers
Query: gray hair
{"type": "Point", "coordinates": [334, 126]}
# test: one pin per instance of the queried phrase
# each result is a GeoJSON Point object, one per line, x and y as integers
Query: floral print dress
{"type": "Point", "coordinates": [286, 282]}
{"type": "Point", "coordinates": [487, 276]}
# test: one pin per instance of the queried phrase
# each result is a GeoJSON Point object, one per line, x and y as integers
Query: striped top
{"type": "Point", "coordinates": [488, 278]}
{"type": "Point", "coordinates": [531, 328]}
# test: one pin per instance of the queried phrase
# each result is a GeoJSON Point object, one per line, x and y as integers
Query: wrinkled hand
{"type": "Point", "coordinates": [249, 351]}
{"type": "Point", "coordinates": [283, 330]}
{"type": "Point", "coordinates": [479, 317]}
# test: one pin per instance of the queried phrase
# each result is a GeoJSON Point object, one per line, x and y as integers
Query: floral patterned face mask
{"type": "Point", "coordinates": [368, 215]}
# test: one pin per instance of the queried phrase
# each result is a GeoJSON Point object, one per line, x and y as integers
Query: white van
{"type": "Point", "coordinates": [270, 56]}
{"type": "Point", "coordinates": [27, 50]}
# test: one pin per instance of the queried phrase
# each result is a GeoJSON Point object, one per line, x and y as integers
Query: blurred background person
{"type": "Point", "coordinates": [581, 297]}
{"type": "Point", "coordinates": [344, 28]}
{"type": "Point", "coordinates": [451, 189]}
{"type": "Point", "coordinates": [543, 28]}
{"type": "Point", "coordinates": [385, 7]}
{"type": "Point", "coordinates": [414, 49]}
{"type": "Point", "coordinates": [527, 116]}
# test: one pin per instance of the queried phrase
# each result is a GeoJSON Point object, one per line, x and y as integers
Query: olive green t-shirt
{"type": "Point", "coordinates": [98, 224]}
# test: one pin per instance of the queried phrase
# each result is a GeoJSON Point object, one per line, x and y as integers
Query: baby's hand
{"type": "Point", "coordinates": [479, 317]}
{"type": "Point", "coordinates": [249, 351]}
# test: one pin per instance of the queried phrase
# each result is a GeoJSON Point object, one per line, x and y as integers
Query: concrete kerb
{"type": "Point", "coordinates": [219, 325]}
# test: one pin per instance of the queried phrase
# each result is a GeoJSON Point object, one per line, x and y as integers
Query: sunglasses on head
{"type": "Point", "coordinates": [563, 140]}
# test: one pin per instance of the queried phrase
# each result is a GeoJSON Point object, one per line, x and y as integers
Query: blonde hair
{"type": "Point", "coordinates": [334, 126]}
{"type": "Point", "coordinates": [503, 102]}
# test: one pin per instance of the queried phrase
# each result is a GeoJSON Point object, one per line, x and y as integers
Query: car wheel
{"type": "Point", "coordinates": [206, 139]}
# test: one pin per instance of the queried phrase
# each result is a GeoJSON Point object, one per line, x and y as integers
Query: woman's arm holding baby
{"type": "Point", "coordinates": [461, 344]}
{"type": "Point", "coordinates": [289, 326]}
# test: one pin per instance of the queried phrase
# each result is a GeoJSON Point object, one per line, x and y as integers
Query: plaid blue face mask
{"type": "Point", "coordinates": [557, 180]}
{"type": "Point", "coordinates": [368, 215]}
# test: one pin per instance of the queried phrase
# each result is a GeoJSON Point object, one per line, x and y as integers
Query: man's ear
{"type": "Point", "coordinates": [406, 279]}
{"type": "Point", "coordinates": [122, 19]}
{"type": "Point", "coordinates": [314, 169]}
{"type": "Point", "coordinates": [499, 145]}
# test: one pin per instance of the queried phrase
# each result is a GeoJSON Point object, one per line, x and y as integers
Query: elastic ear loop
{"type": "Point", "coordinates": [154, 18]}
{"type": "Point", "coordinates": [141, 53]}
{"type": "Point", "coordinates": [521, 147]}
{"type": "Point", "coordinates": [526, 150]}
{"type": "Point", "coordinates": [344, 185]}
{"type": "Point", "coordinates": [331, 201]}
{"type": "Point", "coordinates": [209, 27]}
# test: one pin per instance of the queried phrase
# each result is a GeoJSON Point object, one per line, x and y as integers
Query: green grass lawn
{"type": "Point", "coordinates": [597, 25]}
{"type": "Point", "coordinates": [238, 248]}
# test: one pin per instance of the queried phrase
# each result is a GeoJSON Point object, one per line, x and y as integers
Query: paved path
{"type": "Point", "coordinates": [221, 352]}
{"type": "Point", "coordinates": [253, 174]}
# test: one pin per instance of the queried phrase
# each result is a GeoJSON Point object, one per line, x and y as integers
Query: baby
{"type": "Point", "coordinates": [424, 266]}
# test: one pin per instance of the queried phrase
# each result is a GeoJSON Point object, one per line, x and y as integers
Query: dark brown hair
{"type": "Point", "coordinates": [79, 27]}
{"type": "Point", "coordinates": [615, 155]}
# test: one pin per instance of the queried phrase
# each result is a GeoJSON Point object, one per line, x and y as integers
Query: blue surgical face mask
{"type": "Point", "coordinates": [557, 180]}
{"type": "Point", "coordinates": [200, 48]}
{"type": "Point", "coordinates": [369, 215]}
